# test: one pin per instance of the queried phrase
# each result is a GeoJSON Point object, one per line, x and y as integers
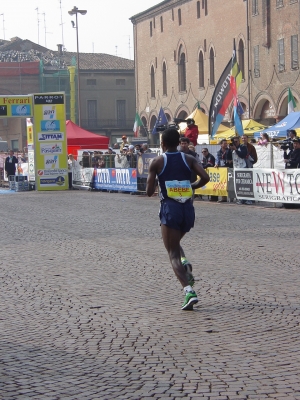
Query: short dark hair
{"type": "Point", "coordinates": [170, 137]}
{"type": "Point", "coordinates": [293, 132]}
{"type": "Point", "coordinates": [184, 139]}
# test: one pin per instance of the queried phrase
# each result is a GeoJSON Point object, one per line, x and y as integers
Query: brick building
{"type": "Point", "coordinates": [183, 46]}
{"type": "Point", "coordinates": [107, 87]}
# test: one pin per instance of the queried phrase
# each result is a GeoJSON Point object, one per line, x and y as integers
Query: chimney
{"type": "Point", "coordinates": [60, 49]}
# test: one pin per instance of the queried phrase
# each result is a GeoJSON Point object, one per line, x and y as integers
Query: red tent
{"type": "Point", "coordinates": [78, 138]}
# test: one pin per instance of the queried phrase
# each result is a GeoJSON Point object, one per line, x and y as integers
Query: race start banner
{"type": "Point", "coordinates": [50, 141]}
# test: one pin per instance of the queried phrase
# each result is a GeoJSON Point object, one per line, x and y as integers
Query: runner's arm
{"type": "Point", "coordinates": [151, 179]}
{"type": "Point", "coordinates": [204, 177]}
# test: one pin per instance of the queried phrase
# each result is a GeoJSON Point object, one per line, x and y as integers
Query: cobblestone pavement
{"type": "Point", "coordinates": [90, 308]}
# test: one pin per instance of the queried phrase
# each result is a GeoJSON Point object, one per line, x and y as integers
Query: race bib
{"type": "Point", "coordinates": [180, 191]}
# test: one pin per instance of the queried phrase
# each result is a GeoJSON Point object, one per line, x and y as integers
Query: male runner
{"type": "Point", "coordinates": [177, 214]}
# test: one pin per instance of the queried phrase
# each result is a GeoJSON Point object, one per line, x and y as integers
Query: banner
{"type": "Point", "coordinates": [123, 179]}
{"type": "Point", "coordinates": [217, 186]}
{"type": "Point", "coordinates": [50, 141]}
{"type": "Point", "coordinates": [273, 185]}
{"type": "Point", "coordinates": [220, 101]}
{"type": "Point", "coordinates": [16, 106]}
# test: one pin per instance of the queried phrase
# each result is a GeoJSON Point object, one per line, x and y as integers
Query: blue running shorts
{"type": "Point", "coordinates": [175, 215]}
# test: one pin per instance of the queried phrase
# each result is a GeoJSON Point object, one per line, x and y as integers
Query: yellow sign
{"type": "Point", "coordinates": [29, 127]}
{"type": "Point", "coordinates": [217, 186]}
{"type": "Point", "coordinates": [50, 141]}
{"type": "Point", "coordinates": [16, 106]}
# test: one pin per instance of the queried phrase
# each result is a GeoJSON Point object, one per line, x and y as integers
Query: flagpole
{"type": "Point", "coordinates": [248, 57]}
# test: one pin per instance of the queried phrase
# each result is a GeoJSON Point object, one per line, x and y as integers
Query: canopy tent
{"type": "Point", "coordinates": [249, 126]}
{"type": "Point", "coordinates": [78, 138]}
{"type": "Point", "coordinates": [201, 120]}
{"type": "Point", "coordinates": [280, 130]}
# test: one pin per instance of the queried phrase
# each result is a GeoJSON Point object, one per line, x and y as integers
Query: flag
{"type": "Point", "coordinates": [220, 101]}
{"type": "Point", "coordinates": [161, 120]}
{"type": "Point", "coordinates": [137, 124]}
{"type": "Point", "coordinates": [235, 80]}
{"type": "Point", "coordinates": [291, 102]}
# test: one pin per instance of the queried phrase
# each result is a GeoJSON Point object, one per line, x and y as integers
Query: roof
{"type": "Point", "coordinates": [98, 61]}
{"type": "Point", "coordinates": [19, 50]}
{"type": "Point", "coordinates": [165, 2]}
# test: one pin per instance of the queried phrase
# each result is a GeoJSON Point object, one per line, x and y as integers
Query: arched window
{"type": "Point", "coordinates": [152, 82]}
{"type": "Point", "coordinates": [211, 67]}
{"type": "Point", "coordinates": [164, 76]}
{"type": "Point", "coordinates": [241, 58]}
{"type": "Point", "coordinates": [181, 70]}
{"type": "Point", "coordinates": [201, 70]}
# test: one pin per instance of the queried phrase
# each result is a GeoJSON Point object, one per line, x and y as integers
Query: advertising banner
{"type": "Point", "coordinates": [16, 106]}
{"type": "Point", "coordinates": [143, 164]}
{"type": "Point", "coordinates": [123, 179]}
{"type": "Point", "coordinates": [217, 186]}
{"type": "Point", "coordinates": [50, 141]}
{"type": "Point", "coordinates": [273, 185]}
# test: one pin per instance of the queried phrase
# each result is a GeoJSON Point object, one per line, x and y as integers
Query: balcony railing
{"type": "Point", "coordinates": [107, 124]}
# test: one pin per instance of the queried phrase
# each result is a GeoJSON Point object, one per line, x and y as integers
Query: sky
{"type": "Point", "coordinates": [104, 29]}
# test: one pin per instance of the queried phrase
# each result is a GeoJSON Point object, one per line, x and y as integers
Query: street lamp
{"type": "Point", "coordinates": [75, 11]}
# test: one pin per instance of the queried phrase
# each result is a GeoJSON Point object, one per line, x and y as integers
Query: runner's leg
{"type": "Point", "coordinates": [171, 238]}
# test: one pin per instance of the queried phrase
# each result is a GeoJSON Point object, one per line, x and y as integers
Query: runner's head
{"type": "Point", "coordinates": [170, 138]}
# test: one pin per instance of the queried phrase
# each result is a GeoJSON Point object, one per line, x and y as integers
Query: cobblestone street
{"type": "Point", "coordinates": [91, 309]}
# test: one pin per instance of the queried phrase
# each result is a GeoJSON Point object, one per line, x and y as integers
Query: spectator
{"type": "Point", "coordinates": [122, 158]}
{"type": "Point", "coordinates": [145, 148]}
{"type": "Point", "coordinates": [239, 155]}
{"type": "Point", "coordinates": [124, 142]}
{"type": "Point", "coordinates": [131, 157]}
{"type": "Point", "coordinates": [116, 146]}
{"type": "Point", "coordinates": [191, 131]}
{"type": "Point", "coordinates": [85, 159]}
{"type": "Point", "coordinates": [109, 158]}
{"type": "Point", "coordinates": [251, 158]}
{"type": "Point", "coordinates": [208, 160]}
{"type": "Point", "coordinates": [264, 140]}
{"type": "Point", "coordinates": [292, 159]}
{"type": "Point", "coordinates": [224, 159]}
{"type": "Point", "coordinates": [71, 165]}
{"type": "Point", "coordinates": [100, 163]}
{"type": "Point", "coordinates": [137, 149]}
{"type": "Point", "coordinates": [10, 164]}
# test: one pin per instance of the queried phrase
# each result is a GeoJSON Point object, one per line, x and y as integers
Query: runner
{"type": "Point", "coordinates": [177, 214]}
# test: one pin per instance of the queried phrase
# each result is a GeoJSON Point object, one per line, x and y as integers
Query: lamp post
{"type": "Point", "coordinates": [75, 12]}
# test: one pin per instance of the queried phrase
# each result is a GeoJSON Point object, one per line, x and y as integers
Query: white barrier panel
{"type": "Point", "coordinates": [273, 185]}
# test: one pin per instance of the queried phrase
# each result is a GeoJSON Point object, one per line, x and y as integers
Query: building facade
{"type": "Point", "coordinates": [183, 46]}
{"type": "Point", "coordinates": [107, 87]}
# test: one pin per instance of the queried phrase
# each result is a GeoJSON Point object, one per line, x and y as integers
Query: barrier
{"type": "Point", "coordinates": [128, 175]}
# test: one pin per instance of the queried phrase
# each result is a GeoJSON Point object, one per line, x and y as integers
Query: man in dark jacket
{"type": "Point", "coordinates": [10, 164]}
{"type": "Point", "coordinates": [208, 161]}
{"type": "Point", "coordinates": [292, 159]}
{"type": "Point", "coordinates": [224, 159]}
